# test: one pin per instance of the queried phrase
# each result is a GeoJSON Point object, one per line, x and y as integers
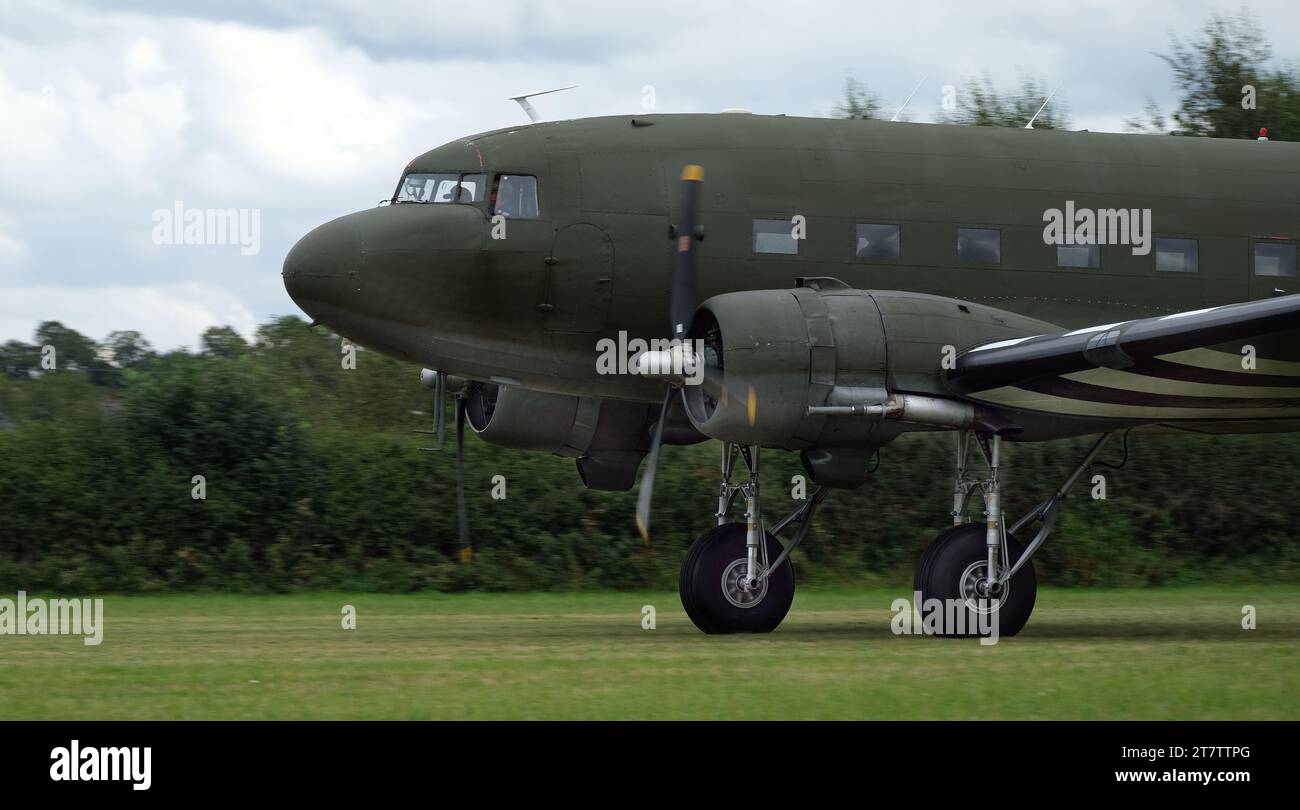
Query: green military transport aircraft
{"type": "Point", "coordinates": [855, 280]}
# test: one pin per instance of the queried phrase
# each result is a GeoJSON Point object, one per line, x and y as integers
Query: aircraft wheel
{"type": "Point", "coordinates": [713, 590]}
{"type": "Point", "coordinates": [923, 564]}
{"type": "Point", "coordinates": [954, 566]}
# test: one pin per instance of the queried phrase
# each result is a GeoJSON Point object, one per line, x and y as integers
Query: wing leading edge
{"type": "Point", "coordinates": [1167, 368]}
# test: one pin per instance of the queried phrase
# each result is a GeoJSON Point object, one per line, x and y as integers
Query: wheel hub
{"type": "Point", "coordinates": [737, 587]}
{"type": "Point", "coordinates": [977, 589]}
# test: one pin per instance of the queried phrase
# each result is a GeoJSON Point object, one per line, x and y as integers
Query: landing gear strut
{"type": "Point", "coordinates": [727, 583]}
{"type": "Point", "coordinates": [983, 567]}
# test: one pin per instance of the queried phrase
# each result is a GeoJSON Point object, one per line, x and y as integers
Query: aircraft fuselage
{"type": "Point", "coordinates": [431, 283]}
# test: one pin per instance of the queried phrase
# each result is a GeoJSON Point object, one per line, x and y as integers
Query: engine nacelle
{"type": "Point", "coordinates": [794, 368]}
{"type": "Point", "coordinates": [608, 438]}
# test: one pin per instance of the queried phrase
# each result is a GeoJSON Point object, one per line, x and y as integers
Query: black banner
{"type": "Point", "coordinates": [331, 759]}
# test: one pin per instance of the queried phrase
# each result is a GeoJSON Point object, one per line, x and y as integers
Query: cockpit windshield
{"type": "Point", "coordinates": [441, 187]}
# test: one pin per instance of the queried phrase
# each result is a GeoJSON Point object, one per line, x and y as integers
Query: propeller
{"type": "Point", "coordinates": [681, 313]}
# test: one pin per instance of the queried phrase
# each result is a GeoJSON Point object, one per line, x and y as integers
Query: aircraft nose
{"type": "Point", "coordinates": [322, 267]}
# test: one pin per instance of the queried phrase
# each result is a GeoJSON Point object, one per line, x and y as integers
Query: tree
{"type": "Point", "coordinates": [980, 103]}
{"type": "Point", "coordinates": [19, 360]}
{"type": "Point", "coordinates": [73, 350]}
{"type": "Point", "coordinates": [1226, 88]}
{"type": "Point", "coordinates": [129, 349]}
{"type": "Point", "coordinates": [223, 341]}
{"type": "Point", "coordinates": [858, 103]}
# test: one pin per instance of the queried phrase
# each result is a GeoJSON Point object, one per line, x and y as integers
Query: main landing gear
{"type": "Point", "coordinates": [737, 577]}
{"type": "Point", "coordinates": [982, 567]}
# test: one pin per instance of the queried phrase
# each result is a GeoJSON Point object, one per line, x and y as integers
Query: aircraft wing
{"type": "Point", "coordinates": [1209, 364]}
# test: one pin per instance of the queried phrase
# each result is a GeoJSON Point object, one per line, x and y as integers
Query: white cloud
{"type": "Point", "coordinates": [143, 58]}
{"type": "Point", "coordinates": [296, 106]}
{"type": "Point", "coordinates": [168, 315]}
{"type": "Point", "coordinates": [308, 109]}
{"type": "Point", "coordinates": [11, 249]}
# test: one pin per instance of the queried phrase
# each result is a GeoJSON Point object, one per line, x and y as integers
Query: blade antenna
{"type": "Point", "coordinates": [529, 110]}
{"type": "Point", "coordinates": [1047, 101]}
{"type": "Point", "coordinates": [908, 99]}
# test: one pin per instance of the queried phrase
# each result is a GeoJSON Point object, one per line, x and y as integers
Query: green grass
{"type": "Point", "coordinates": [1177, 653]}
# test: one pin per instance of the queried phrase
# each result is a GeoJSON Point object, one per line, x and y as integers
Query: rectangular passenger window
{"type": "Point", "coordinates": [876, 241]}
{"type": "Point", "coordinates": [515, 196]}
{"type": "Point", "coordinates": [1078, 256]}
{"type": "Point", "coordinates": [1176, 255]}
{"type": "Point", "coordinates": [775, 236]}
{"type": "Point", "coordinates": [1274, 259]}
{"type": "Point", "coordinates": [982, 245]}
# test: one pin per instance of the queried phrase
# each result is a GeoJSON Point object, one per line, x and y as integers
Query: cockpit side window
{"type": "Point", "coordinates": [441, 187]}
{"type": "Point", "coordinates": [515, 196]}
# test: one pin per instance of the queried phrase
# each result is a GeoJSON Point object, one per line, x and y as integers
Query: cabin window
{"type": "Point", "coordinates": [775, 236]}
{"type": "Point", "coordinates": [515, 196]}
{"type": "Point", "coordinates": [1078, 256]}
{"type": "Point", "coordinates": [876, 241]}
{"type": "Point", "coordinates": [1274, 259]}
{"type": "Point", "coordinates": [982, 245]}
{"type": "Point", "coordinates": [441, 187]}
{"type": "Point", "coordinates": [1176, 255]}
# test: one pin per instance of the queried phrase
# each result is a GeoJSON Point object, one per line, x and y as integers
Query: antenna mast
{"type": "Point", "coordinates": [909, 98]}
{"type": "Point", "coordinates": [522, 101]}
{"type": "Point", "coordinates": [1030, 125]}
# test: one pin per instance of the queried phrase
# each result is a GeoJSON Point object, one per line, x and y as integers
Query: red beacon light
{"type": "Point", "coordinates": [1263, 134]}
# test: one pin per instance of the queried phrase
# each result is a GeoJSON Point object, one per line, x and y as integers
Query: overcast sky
{"type": "Point", "coordinates": [308, 109]}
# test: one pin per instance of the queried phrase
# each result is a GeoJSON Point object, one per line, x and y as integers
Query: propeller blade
{"type": "Point", "coordinates": [648, 477]}
{"type": "Point", "coordinates": [683, 292]}
{"type": "Point", "coordinates": [466, 551]}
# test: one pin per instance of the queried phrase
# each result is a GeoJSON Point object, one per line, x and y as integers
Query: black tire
{"type": "Point", "coordinates": [923, 564]}
{"type": "Point", "coordinates": [701, 584]}
{"type": "Point", "coordinates": [949, 559]}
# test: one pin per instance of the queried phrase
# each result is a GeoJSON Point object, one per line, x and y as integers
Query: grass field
{"type": "Point", "coordinates": [1176, 653]}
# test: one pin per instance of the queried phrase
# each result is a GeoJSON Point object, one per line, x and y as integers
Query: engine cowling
{"type": "Point", "coordinates": [608, 438]}
{"type": "Point", "coordinates": [771, 355]}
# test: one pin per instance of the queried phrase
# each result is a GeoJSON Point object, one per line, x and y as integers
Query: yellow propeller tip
{"type": "Point", "coordinates": [752, 406]}
{"type": "Point", "coordinates": [693, 172]}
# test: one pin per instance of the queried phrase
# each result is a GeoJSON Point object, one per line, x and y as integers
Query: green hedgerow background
{"type": "Point", "coordinates": [314, 482]}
